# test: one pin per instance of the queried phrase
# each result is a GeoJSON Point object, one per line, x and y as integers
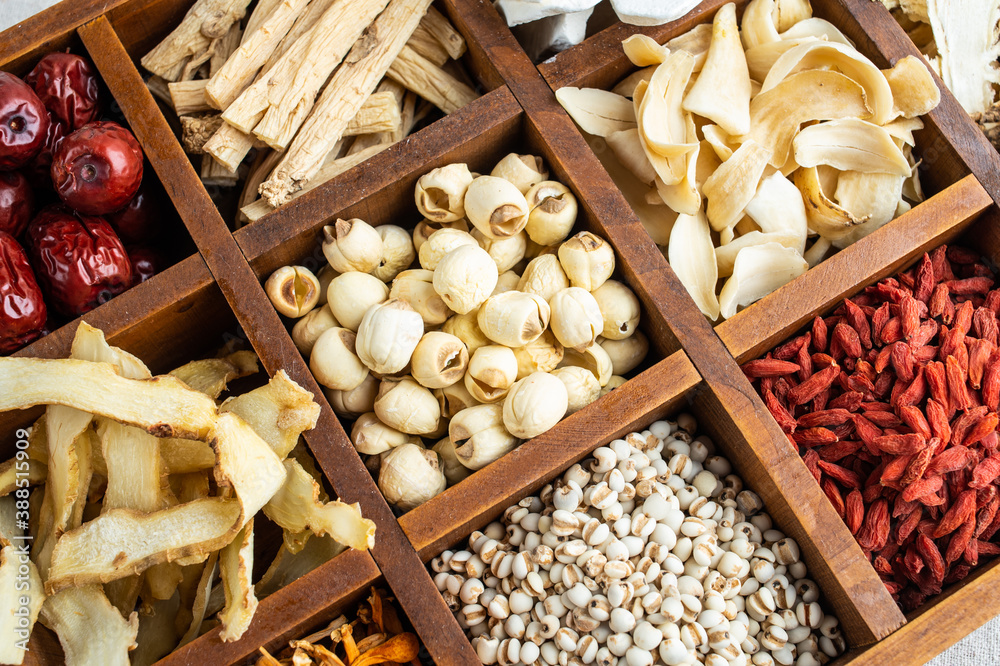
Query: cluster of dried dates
{"type": "Point", "coordinates": [892, 401]}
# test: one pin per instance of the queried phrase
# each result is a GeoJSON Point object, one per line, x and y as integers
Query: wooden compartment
{"type": "Point", "coordinates": [204, 299]}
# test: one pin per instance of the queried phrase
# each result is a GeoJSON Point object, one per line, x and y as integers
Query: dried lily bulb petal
{"type": "Point", "coordinates": [815, 28]}
{"type": "Point", "coordinates": [627, 147]}
{"type": "Point", "coordinates": [416, 288]}
{"type": "Point", "coordinates": [407, 406]}
{"type": "Point", "coordinates": [758, 24]}
{"type": "Point", "coordinates": [722, 91]}
{"type": "Point", "coordinates": [479, 435]}
{"type": "Point", "coordinates": [597, 112]}
{"type": "Point", "coordinates": [778, 208]}
{"type": "Point", "coordinates": [588, 260]}
{"type": "Point", "coordinates": [398, 252]}
{"type": "Point", "coordinates": [534, 405]}
{"type": "Point", "coordinates": [824, 55]}
{"type": "Point", "coordinates": [440, 193]}
{"type": "Point", "coordinates": [787, 13]}
{"type": "Point", "coordinates": [692, 257]}
{"type": "Point", "coordinates": [506, 252]}
{"type": "Point", "coordinates": [440, 243]}
{"type": "Point", "coordinates": [553, 212]}
{"type": "Point", "coordinates": [514, 318]}
{"type": "Point", "coordinates": [410, 475]}
{"type": "Point", "coordinates": [465, 278]}
{"type": "Point", "coordinates": [825, 217]}
{"type": "Point", "coordinates": [758, 271]}
{"type": "Point", "coordinates": [776, 114]}
{"type": "Point", "coordinates": [760, 59]}
{"type": "Point", "coordinates": [903, 129]}
{"type": "Point", "coordinates": [684, 196]}
{"type": "Point", "coordinates": [496, 207]}
{"type": "Point", "coordinates": [723, 144]}
{"type": "Point", "coordinates": [850, 145]}
{"type": "Point", "coordinates": [543, 354]}
{"type": "Point", "coordinates": [662, 125]}
{"type": "Point", "coordinates": [351, 294]}
{"type": "Point", "coordinates": [725, 255]}
{"type": "Point", "coordinates": [872, 197]}
{"type": "Point", "coordinates": [626, 87]}
{"type": "Point", "coordinates": [352, 245]}
{"type": "Point", "coordinates": [914, 92]}
{"type": "Point", "coordinates": [644, 51]}
{"type": "Point", "coordinates": [522, 171]}
{"type": "Point", "coordinates": [734, 184]}
{"type": "Point", "coordinates": [696, 42]}
{"type": "Point", "coordinates": [454, 471]}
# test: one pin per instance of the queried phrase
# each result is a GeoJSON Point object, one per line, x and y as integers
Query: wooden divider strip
{"type": "Point", "coordinates": [266, 333]}
{"type": "Point", "coordinates": [285, 614]}
{"type": "Point", "coordinates": [851, 585]}
{"type": "Point", "coordinates": [766, 323]}
{"type": "Point", "coordinates": [473, 503]}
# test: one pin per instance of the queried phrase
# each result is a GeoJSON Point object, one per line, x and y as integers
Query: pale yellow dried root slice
{"type": "Point", "coordinates": [825, 217]}
{"type": "Point", "coordinates": [776, 114]}
{"type": "Point", "coordinates": [181, 456]}
{"type": "Point", "coordinates": [91, 630]}
{"type": "Point", "coordinates": [821, 55]}
{"type": "Point", "coordinates": [278, 412]}
{"type": "Point", "coordinates": [235, 570]}
{"type": "Point", "coordinates": [757, 271]}
{"type": "Point", "coordinates": [597, 112]}
{"type": "Point", "coordinates": [296, 508]}
{"type": "Point", "coordinates": [211, 375]}
{"type": "Point", "coordinates": [734, 184]}
{"type": "Point", "coordinates": [722, 91]}
{"type": "Point", "coordinates": [19, 581]}
{"type": "Point", "coordinates": [644, 51]}
{"type": "Point", "coordinates": [850, 145]}
{"type": "Point", "coordinates": [89, 344]}
{"type": "Point", "coordinates": [163, 406]}
{"type": "Point", "coordinates": [10, 473]}
{"type": "Point", "coordinates": [692, 257]}
{"type": "Point", "coordinates": [914, 92]}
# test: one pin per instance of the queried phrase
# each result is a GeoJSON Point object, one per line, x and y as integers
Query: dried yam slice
{"type": "Point", "coordinates": [692, 257]}
{"type": "Point", "coordinates": [278, 412]}
{"type": "Point", "coordinates": [597, 112]}
{"type": "Point", "coordinates": [90, 629]}
{"type": "Point", "coordinates": [776, 114]}
{"type": "Point", "coordinates": [235, 570]}
{"type": "Point", "coordinates": [850, 145]}
{"type": "Point", "coordinates": [722, 91]}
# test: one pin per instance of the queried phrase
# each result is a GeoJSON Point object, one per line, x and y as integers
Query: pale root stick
{"type": "Point", "coordinates": [206, 21]}
{"type": "Point", "coordinates": [197, 130]}
{"type": "Point", "coordinates": [227, 45]}
{"type": "Point", "coordinates": [188, 97]}
{"type": "Point", "coordinates": [438, 25]}
{"type": "Point", "coordinates": [429, 81]}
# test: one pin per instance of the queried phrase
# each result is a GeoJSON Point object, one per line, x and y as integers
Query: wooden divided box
{"type": "Point", "coordinates": [212, 295]}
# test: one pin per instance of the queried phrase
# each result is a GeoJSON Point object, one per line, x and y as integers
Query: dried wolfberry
{"type": "Point", "coordinates": [894, 470]}
{"type": "Point", "coordinates": [932, 556]}
{"type": "Point", "coordinates": [880, 318]}
{"type": "Point", "coordinates": [980, 352]}
{"type": "Point", "coordinates": [804, 359]}
{"type": "Point", "coordinates": [960, 511]}
{"type": "Point", "coordinates": [912, 561]}
{"type": "Point", "coordinates": [908, 525]}
{"type": "Point", "coordinates": [949, 460]}
{"type": "Point", "coordinates": [900, 445]}
{"type": "Point", "coordinates": [827, 417]}
{"type": "Point", "coordinates": [819, 334]}
{"type": "Point", "coordinates": [854, 511]}
{"type": "Point", "coordinates": [987, 548]}
{"type": "Point", "coordinates": [778, 411]}
{"type": "Point", "coordinates": [875, 531]}
{"type": "Point", "coordinates": [787, 351]}
{"type": "Point", "coordinates": [914, 418]}
{"type": "Point", "coordinates": [984, 324]}
{"type": "Point", "coordinates": [768, 367]}
{"type": "Point", "coordinates": [811, 387]}
{"type": "Point", "coordinates": [861, 383]}
{"type": "Point", "coordinates": [985, 472]}
{"type": "Point", "coordinates": [960, 540]}
{"type": "Point", "coordinates": [902, 361]}
{"type": "Point", "coordinates": [839, 450]}
{"type": "Point", "coordinates": [841, 475]}
{"type": "Point", "coordinates": [811, 458]}
{"type": "Point", "coordinates": [920, 488]}
{"type": "Point", "coordinates": [833, 494]}
{"type": "Point", "coordinates": [958, 395]}
{"type": "Point", "coordinates": [918, 465]}
{"type": "Point", "coordinates": [961, 426]}
{"type": "Point", "coordinates": [971, 555]}
{"type": "Point", "coordinates": [884, 419]}
{"type": "Point", "coordinates": [849, 400]}
{"type": "Point", "coordinates": [986, 515]}
{"type": "Point", "coordinates": [819, 402]}
{"type": "Point", "coordinates": [963, 318]}
{"type": "Point", "coordinates": [969, 286]}
{"type": "Point", "coordinates": [884, 382]}
{"type": "Point", "coordinates": [924, 283]}
{"type": "Point", "coordinates": [813, 436]}
{"type": "Point", "coordinates": [928, 329]}
{"type": "Point", "coordinates": [867, 431]}
{"type": "Point", "coordinates": [909, 316]}
{"type": "Point", "coordinates": [859, 322]}
{"type": "Point", "coordinates": [992, 301]}
{"type": "Point", "coordinates": [892, 331]}
{"type": "Point", "coordinates": [962, 256]}
{"type": "Point", "coordinates": [984, 426]}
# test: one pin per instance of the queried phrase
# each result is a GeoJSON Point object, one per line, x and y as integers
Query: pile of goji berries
{"type": "Point", "coordinates": [892, 402]}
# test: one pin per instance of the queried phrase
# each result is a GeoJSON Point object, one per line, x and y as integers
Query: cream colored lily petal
{"type": "Point", "coordinates": [822, 55]}
{"type": "Point", "coordinates": [597, 112]}
{"type": "Point", "coordinates": [776, 114]}
{"type": "Point", "coordinates": [692, 257]}
{"type": "Point", "coordinates": [278, 412]}
{"type": "Point", "coordinates": [15, 587]}
{"type": "Point", "coordinates": [759, 270]}
{"type": "Point", "coordinates": [825, 217]}
{"type": "Point", "coordinates": [644, 51]}
{"type": "Point", "coordinates": [903, 129]}
{"type": "Point", "coordinates": [627, 147]}
{"type": "Point", "coordinates": [296, 508]}
{"type": "Point", "coordinates": [817, 251]}
{"type": "Point", "coordinates": [912, 189]}
{"type": "Point", "coordinates": [788, 13]}
{"type": "Point", "coordinates": [91, 630]}
{"type": "Point", "coordinates": [734, 184]}
{"type": "Point", "coordinates": [873, 196]}
{"type": "Point", "coordinates": [696, 42]}
{"type": "Point", "coordinates": [235, 570]}
{"type": "Point", "coordinates": [760, 59]}
{"type": "Point", "coordinates": [725, 255]}
{"type": "Point", "coordinates": [708, 161]}
{"type": "Point", "coordinates": [661, 121]}
{"type": "Point", "coordinates": [817, 28]}
{"type": "Point", "coordinates": [913, 89]}
{"type": "Point", "coordinates": [685, 196]}
{"type": "Point", "coordinates": [626, 87]}
{"type": "Point", "coordinates": [778, 208]}
{"type": "Point", "coordinates": [723, 144]}
{"type": "Point", "coordinates": [850, 145]}
{"type": "Point", "coordinates": [758, 24]}
{"type": "Point", "coordinates": [722, 91]}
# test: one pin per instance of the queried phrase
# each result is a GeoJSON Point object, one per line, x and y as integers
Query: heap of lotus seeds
{"type": "Point", "coordinates": [651, 551]}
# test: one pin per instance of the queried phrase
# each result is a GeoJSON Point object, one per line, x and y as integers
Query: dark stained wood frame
{"type": "Point", "coordinates": [696, 366]}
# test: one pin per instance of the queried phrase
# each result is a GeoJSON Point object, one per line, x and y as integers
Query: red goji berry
{"type": "Point", "coordinates": [854, 511]}
{"type": "Point", "coordinates": [921, 488]}
{"type": "Point", "coordinates": [960, 511]}
{"type": "Point", "coordinates": [768, 367]}
{"type": "Point", "coordinates": [875, 531]}
{"type": "Point", "coordinates": [811, 387]}
{"type": "Point", "coordinates": [932, 556]}
{"type": "Point", "coordinates": [901, 445]}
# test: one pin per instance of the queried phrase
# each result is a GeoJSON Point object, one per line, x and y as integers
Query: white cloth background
{"type": "Point", "coordinates": [982, 648]}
